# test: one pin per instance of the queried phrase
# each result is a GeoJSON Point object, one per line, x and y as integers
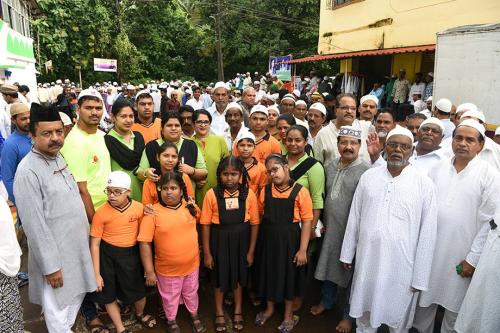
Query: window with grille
{"type": "Point", "coordinates": [332, 4]}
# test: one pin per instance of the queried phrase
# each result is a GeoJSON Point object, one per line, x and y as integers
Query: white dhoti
{"type": "Point", "coordinates": [59, 320]}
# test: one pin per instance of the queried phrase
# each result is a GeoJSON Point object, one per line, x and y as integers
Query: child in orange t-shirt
{"type": "Point", "coordinates": [115, 255]}
{"type": "Point", "coordinates": [176, 260]}
{"type": "Point", "coordinates": [230, 221]}
{"type": "Point", "coordinates": [168, 156]}
{"type": "Point", "coordinates": [245, 145]}
{"type": "Point", "coordinates": [281, 254]}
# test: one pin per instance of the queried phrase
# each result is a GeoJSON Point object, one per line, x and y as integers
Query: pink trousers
{"type": "Point", "coordinates": [175, 290]}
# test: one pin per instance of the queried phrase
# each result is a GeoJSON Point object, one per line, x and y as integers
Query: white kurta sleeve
{"type": "Point", "coordinates": [29, 201]}
{"type": "Point", "coordinates": [351, 235]}
{"type": "Point", "coordinates": [426, 239]}
{"type": "Point", "coordinates": [490, 201]}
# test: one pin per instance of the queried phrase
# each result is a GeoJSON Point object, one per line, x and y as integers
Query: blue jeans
{"type": "Point", "coordinates": [329, 291]}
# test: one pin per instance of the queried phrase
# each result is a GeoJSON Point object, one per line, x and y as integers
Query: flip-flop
{"type": "Point", "coordinates": [288, 325]}
{"type": "Point", "coordinates": [261, 318]}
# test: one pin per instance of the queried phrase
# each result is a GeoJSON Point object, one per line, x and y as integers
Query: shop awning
{"type": "Point", "coordinates": [408, 49]}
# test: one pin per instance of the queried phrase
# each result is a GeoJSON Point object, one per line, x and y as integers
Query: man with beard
{"type": "Point", "coordinates": [17, 145]}
{"type": "Point", "coordinates": [287, 104]}
{"type": "Point", "coordinates": [146, 122]}
{"type": "Point", "coordinates": [325, 143]}
{"type": "Point", "coordinates": [234, 118]}
{"type": "Point", "coordinates": [55, 223]}
{"type": "Point", "coordinates": [368, 107]}
{"type": "Point", "coordinates": [391, 231]}
{"type": "Point", "coordinates": [186, 113]}
{"type": "Point", "coordinates": [342, 177]}
{"type": "Point", "coordinates": [247, 102]}
{"type": "Point", "coordinates": [89, 161]}
{"type": "Point", "coordinates": [316, 117]}
{"type": "Point", "coordinates": [218, 108]}
{"type": "Point", "coordinates": [468, 188]}
{"type": "Point", "coordinates": [427, 151]}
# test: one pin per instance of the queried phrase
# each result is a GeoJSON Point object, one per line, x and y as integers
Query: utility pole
{"type": "Point", "coordinates": [220, 64]}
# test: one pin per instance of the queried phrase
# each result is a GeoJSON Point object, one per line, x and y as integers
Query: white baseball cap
{"type": "Point", "coordinates": [245, 135]}
{"type": "Point", "coordinates": [90, 92]}
{"type": "Point", "coordinates": [119, 179]}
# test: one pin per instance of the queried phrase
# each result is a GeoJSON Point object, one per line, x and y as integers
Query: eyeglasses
{"type": "Point", "coordinates": [426, 129]}
{"type": "Point", "coordinates": [403, 146]}
{"type": "Point", "coordinates": [116, 192]}
{"type": "Point", "coordinates": [202, 122]}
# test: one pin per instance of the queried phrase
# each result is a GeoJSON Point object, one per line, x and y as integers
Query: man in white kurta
{"type": "Point", "coordinates": [391, 233]}
{"type": "Point", "coordinates": [325, 143]}
{"type": "Point", "coordinates": [468, 191]}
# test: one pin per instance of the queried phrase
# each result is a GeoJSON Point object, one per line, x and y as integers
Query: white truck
{"type": "Point", "coordinates": [467, 68]}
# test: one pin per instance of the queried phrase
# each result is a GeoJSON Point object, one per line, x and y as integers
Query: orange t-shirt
{"type": "Point", "coordinates": [302, 209]}
{"type": "Point", "coordinates": [263, 148]}
{"type": "Point", "coordinates": [150, 194]}
{"type": "Point", "coordinates": [258, 177]}
{"type": "Point", "coordinates": [173, 230]}
{"type": "Point", "coordinates": [150, 132]}
{"type": "Point", "coordinates": [117, 227]}
{"type": "Point", "coordinates": [210, 211]}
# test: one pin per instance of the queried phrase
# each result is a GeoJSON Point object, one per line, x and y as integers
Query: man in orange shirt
{"type": "Point", "coordinates": [146, 123]}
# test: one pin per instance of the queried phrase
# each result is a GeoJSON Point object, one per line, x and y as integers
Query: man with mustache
{"type": "Point", "coordinates": [89, 161]}
{"type": "Point", "coordinates": [342, 177]}
{"type": "Point", "coordinates": [391, 231]}
{"type": "Point", "coordinates": [368, 107]}
{"type": "Point", "coordinates": [325, 143]}
{"type": "Point", "coordinates": [55, 223]}
{"type": "Point", "coordinates": [218, 108]}
{"type": "Point", "coordinates": [468, 189]}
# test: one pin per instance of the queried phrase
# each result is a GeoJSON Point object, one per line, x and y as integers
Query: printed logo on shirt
{"type": "Point", "coordinates": [133, 219]}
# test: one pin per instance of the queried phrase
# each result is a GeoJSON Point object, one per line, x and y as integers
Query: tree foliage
{"type": "Point", "coordinates": [162, 39]}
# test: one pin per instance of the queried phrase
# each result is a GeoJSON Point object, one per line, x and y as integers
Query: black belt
{"type": "Point", "coordinates": [493, 225]}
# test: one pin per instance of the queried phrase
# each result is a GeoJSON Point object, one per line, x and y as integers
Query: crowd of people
{"type": "Point", "coordinates": [120, 188]}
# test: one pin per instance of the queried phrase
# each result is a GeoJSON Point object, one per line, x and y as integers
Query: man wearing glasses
{"type": "Point", "coordinates": [391, 231]}
{"type": "Point", "coordinates": [325, 143]}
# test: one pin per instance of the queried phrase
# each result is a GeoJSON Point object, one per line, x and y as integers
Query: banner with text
{"type": "Point", "coordinates": [105, 65]}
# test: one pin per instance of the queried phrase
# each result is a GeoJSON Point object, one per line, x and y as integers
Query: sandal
{"type": "Point", "coordinates": [96, 328]}
{"type": "Point", "coordinates": [238, 324]}
{"type": "Point", "coordinates": [288, 325]}
{"type": "Point", "coordinates": [148, 321]}
{"type": "Point", "coordinates": [125, 310]}
{"type": "Point", "coordinates": [220, 327]}
{"type": "Point", "coordinates": [173, 327]}
{"type": "Point", "coordinates": [261, 318]}
{"type": "Point", "coordinates": [197, 325]}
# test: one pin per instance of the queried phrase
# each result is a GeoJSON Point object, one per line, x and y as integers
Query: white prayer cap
{"type": "Point", "coordinates": [119, 179]}
{"type": "Point", "coordinates": [369, 98]}
{"type": "Point", "coordinates": [474, 124]}
{"type": "Point", "coordinates": [66, 120]}
{"type": "Point", "coordinates": [288, 96]}
{"type": "Point", "coordinates": [90, 92]}
{"type": "Point", "coordinates": [59, 81]}
{"type": "Point", "coordinates": [188, 91]}
{"type": "Point", "coordinates": [163, 85]}
{"type": "Point", "coordinates": [431, 74]}
{"type": "Point", "coordinates": [324, 94]}
{"type": "Point", "coordinates": [301, 102]}
{"type": "Point", "coordinates": [273, 107]}
{"type": "Point", "coordinates": [130, 87]}
{"type": "Point", "coordinates": [350, 131]}
{"type": "Point", "coordinates": [259, 108]}
{"type": "Point", "coordinates": [233, 105]}
{"type": "Point", "coordinates": [141, 86]}
{"type": "Point", "coordinates": [256, 82]}
{"type": "Point", "coordinates": [143, 92]}
{"type": "Point", "coordinates": [444, 105]}
{"type": "Point", "coordinates": [318, 106]}
{"type": "Point", "coordinates": [433, 120]}
{"type": "Point", "coordinates": [245, 135]}
{"type": "Point", "coordinates": [466, 107]}
{"type": "Point", "coordinates": [474, 114]}
{"type": "Point", "coordinates": [296, 93]}
{"type": "Point", "coordinates": [399, 130]}
{"type": "Point", "coordinates": [497, 131]}
{"type": "Point", "coordinates": [220, 84]}
{"type": "Point", "coordinates": [429, 99]}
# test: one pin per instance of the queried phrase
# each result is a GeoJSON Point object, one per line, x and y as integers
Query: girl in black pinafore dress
{"type": "Point", "coordinates": [281, 254]}
{"type": "Point", "coordinates": [229, 220]}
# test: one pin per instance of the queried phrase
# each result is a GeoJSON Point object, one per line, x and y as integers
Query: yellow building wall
{"type": "Point", "coordinates": [408, 61]}
{"type": "Point", "coordinates": [377, 24]}
{"type": "Point", "coordinates": [346, 65]}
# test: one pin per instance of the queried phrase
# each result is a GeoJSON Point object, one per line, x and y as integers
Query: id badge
{"type": "Point", "coordinates": [232, 203]}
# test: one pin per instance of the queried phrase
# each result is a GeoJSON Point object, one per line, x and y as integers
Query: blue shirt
{"type": "Point", "coordinates": [14, 149]}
